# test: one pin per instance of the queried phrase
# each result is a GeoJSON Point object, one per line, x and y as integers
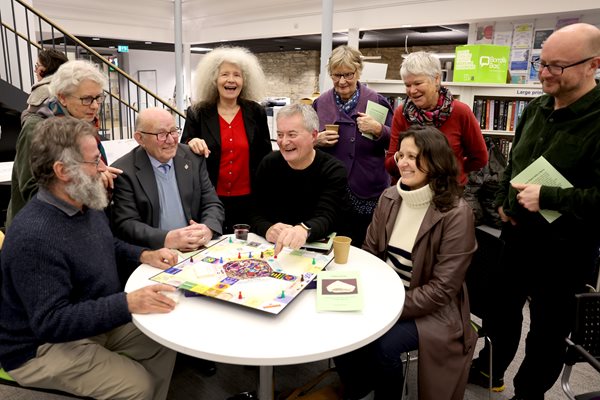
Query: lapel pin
{"type": "Point", "coordinates": [186, 166]}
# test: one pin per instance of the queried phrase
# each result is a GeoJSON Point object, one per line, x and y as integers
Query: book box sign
{"type": "Point", "coordinates": [481, 63]}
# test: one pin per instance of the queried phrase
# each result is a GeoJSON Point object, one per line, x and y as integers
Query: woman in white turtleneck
{"type": "Point", "coordinates": [425, 231]}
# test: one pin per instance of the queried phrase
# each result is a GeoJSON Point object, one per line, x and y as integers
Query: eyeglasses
{"type": "Point", "coordinates": [555, 69]}
{"type": "Point", "coordinates": [347, 76]}
{"type": "Point", "coordinates": [96, 162]}
{"type": "Point", "coordinates": [88, 100]}
{"type": "Point", "coordinates": [162, 136]}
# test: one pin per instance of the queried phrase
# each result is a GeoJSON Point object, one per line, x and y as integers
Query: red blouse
{"type": "Point", "coordinates": [234, 169]}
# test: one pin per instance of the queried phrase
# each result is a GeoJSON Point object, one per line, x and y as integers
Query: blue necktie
{"type": "Point", "coordinates": [164, 168]}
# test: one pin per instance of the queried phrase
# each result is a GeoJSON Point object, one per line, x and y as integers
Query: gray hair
{"type": "Point", "coordinates": [421, 63]}
{"type": "Point", "coordinates": [345, 56]}
{"type": "Point", "coordinates": [57, 139]}
{"type": "Point", "coordinates": [69, 76]}
{"type": "Point", "coordinates": [310, 118]}
{"type": "Point", "coordinates": [207, 73]}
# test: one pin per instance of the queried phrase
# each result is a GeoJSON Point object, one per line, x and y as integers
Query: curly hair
{"type": "Point", "coordinates": [438, 161]}
{"type": "Point", "coordinates": [57, 139]}
{"type": "Point", "coordinates": [207, 73]}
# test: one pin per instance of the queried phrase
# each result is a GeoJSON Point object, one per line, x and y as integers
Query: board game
{"type": "Point", "coordinates": [246, 273]}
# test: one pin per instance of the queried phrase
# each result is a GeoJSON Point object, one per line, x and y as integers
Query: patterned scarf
{"type": "Point", "coordinates": [436, 117]}
{"type": "Point", "coordinates": [348, 106]}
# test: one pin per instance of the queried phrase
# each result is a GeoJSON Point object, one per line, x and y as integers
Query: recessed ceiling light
{"type": "Point", "coordinates": [200, 49]}
{"type": "Point", "coordinates": [111, 47]}
{"type": "Point", "coordinates": [147, 42]}
{"type": "Point", "coordinates": [96, 38]}
{"type": "Point", "coordinates": [297, 48]}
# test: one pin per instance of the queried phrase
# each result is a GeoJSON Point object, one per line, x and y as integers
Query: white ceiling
{"type": "Point", "coordinates": [206, 21]}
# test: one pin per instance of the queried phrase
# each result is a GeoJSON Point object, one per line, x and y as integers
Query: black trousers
{"type": "Point", "coordinates": [550, 272]}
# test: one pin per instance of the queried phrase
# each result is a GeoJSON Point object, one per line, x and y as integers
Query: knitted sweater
{"type": "Point", "coordinates": [59, 280]}
{"type": "Point", "coordinates": [315, 195]}
{"type": "Point", "coordinates": [415, 204]}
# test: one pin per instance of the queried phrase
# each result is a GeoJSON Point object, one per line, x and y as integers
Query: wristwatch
{"type": "Point", "coordinates": [306, 228]}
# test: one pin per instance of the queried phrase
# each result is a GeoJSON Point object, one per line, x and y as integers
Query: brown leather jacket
{"type": "Point", "coordinates": [437, 298]}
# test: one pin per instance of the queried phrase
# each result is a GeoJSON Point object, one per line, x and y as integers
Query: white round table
{"type": "Point", "coordinates": [208, 328]}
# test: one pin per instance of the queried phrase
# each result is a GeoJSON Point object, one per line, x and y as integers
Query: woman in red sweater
{"type": "Point", "coordinates": [429, 103]}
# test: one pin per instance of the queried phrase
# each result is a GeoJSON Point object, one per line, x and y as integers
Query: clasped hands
{"type": "Point", "coordinates": [284, 235]}
{"type": "Point", "coordinates": [188, 238]}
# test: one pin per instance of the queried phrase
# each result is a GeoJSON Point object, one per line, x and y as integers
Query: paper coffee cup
{"type": "Point", "coordinates": [332, 127]}
{"type": "Point", "coordinates": [341, 248]}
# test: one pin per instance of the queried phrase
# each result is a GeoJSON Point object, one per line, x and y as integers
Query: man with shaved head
{"type": "Point", "coordinates": [549, 262]}
{"type": "Point", "coordinates": [165, 197]}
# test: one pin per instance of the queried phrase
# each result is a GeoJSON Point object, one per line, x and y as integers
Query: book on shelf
{"type": "Point", "coordinates": [498, 114]}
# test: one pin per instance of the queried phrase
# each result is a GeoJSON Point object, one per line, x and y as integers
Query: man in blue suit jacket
{"type": "Point", "coordinates": [165, 197]}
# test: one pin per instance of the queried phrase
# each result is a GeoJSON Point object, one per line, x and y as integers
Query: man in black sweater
{"type": "Point", "coordinates": [300, 191]}
{"type": "Point", "coordinates": [64, 323]}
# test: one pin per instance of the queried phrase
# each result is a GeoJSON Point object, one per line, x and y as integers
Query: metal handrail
{"type": "Point", "coordinates": [119, 115]}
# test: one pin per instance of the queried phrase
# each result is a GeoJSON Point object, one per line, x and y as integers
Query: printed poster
{"type": "Point", "coordinates": [503, 38]}
{"type": "Point", "coordinates": [566, 21]}
{"type": "Point", "coordinates": [485, 34]}
{"type": "Point", "coordinates": [519, 59]}
{"type": "Point", "coordinates": [540, 36]}
{"type": "Point", "coordinates": [522, 35]}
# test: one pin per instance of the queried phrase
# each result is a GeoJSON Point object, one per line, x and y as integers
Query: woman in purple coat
{"type": "Point", "coordinates": [360, 142]}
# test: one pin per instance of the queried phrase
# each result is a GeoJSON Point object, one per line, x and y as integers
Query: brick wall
{"type": "Point", "coordinates": [295, 74]}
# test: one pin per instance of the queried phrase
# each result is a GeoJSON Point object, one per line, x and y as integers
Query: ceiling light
{"type": "Point", "coordinates": [297, 48]}
{"type": "Point", "coordinates": [437, 55]}
{"type": "Point", "coordinates": [147, 42]}
{"type": "Point", "coordinates": [200, 49]}
{"type": "Point", "coordinates": [111, 47]}
{"type": "Point", "coordinates": [95, 38]}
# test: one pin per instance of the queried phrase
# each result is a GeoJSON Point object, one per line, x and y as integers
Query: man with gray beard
{"type": "Point", "coordinates": [64, 322]}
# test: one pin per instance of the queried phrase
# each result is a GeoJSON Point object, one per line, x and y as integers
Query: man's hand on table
{"type": "Point", "coordinates": [293, 237]}
{"type": "Point", "coordinates": [150, 299]}
{"type": "Point", "coordinates": [161, 258]}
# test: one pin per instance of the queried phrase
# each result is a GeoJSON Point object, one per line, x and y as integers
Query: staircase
{"type": "Point", "coordinates": [23, 32]}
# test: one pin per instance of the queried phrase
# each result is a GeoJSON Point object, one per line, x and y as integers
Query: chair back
{"type": "Point", "coordinates": [586, 331]}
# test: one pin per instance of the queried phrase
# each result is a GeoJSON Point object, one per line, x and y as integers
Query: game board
{"type": "Point", "coordinates": [247, 273]}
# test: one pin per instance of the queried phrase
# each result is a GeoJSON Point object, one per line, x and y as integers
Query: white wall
{"type": "Point", "coordinates": [161, 61]}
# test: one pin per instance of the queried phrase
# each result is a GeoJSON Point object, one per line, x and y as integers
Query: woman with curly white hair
{"type": "Point", "coordinates": [229, 127]}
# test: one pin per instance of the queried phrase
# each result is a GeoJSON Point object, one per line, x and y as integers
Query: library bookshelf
{"type": "Point", "coordinates": [493, 104]}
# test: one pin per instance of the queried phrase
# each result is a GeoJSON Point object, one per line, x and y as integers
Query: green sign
{"type": "Point", "coordinates": [483, 63]}
{"type": "Point", "coordinates": [123, 48]}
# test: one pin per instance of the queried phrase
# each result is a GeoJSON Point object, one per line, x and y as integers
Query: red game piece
{"type": "Point", "coordinates": [240, 295]}
{"type": "Point", "coordinates": [239, 255]}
